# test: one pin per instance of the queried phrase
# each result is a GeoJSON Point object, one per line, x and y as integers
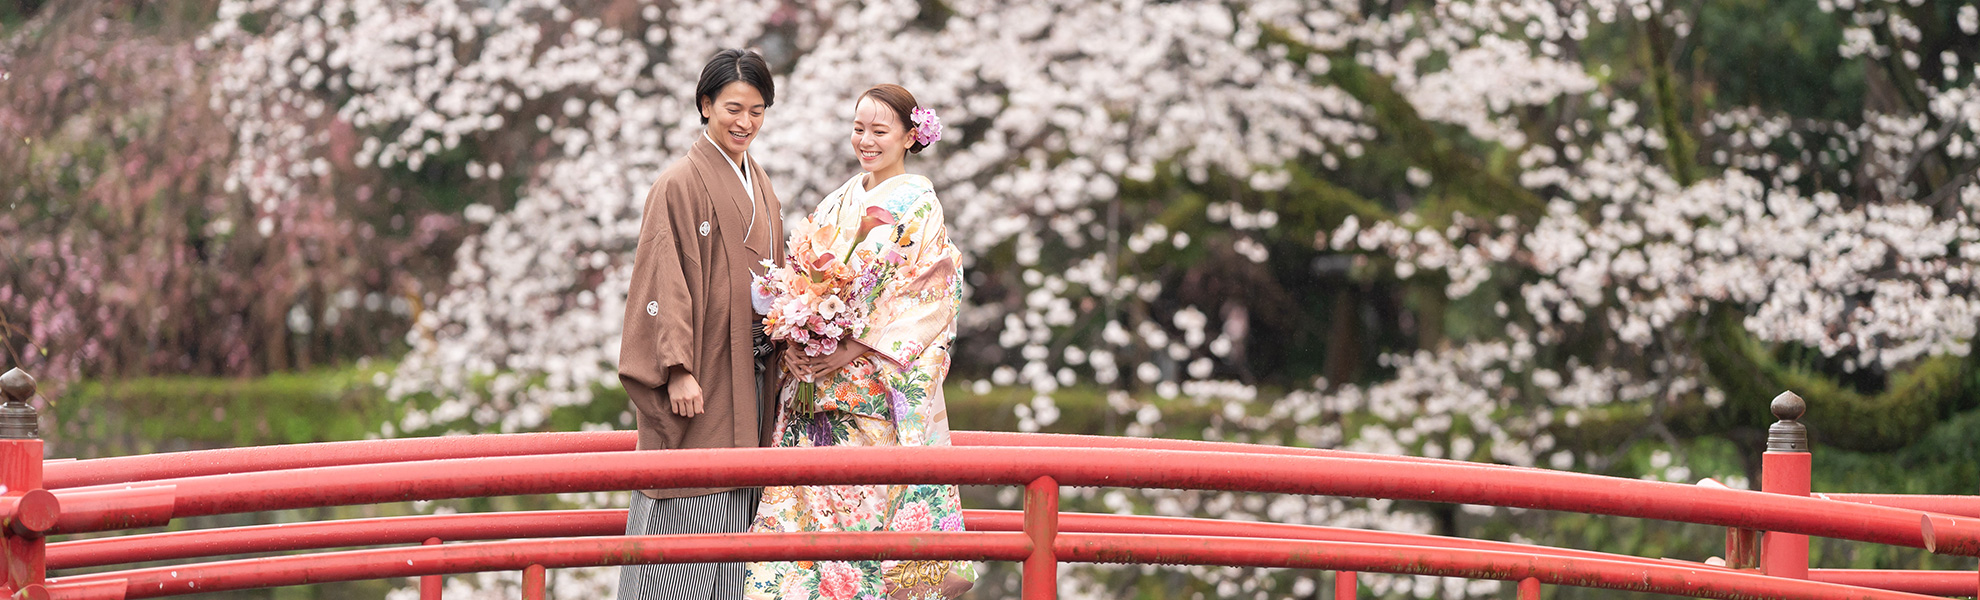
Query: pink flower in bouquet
{"type": "Point", "coordinates": [801, 233]}
{"type": "Point", "coordinates": [831, 307]}
{"type": "Point", "coordinates": [798, 312]}
{"type": "Point", "coordinates": [762, 293]}
{"type": "Point", "coordinates": [820, 239]}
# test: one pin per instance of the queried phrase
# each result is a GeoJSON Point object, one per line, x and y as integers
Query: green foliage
{"type": "Point", "coordinates": [12, 12]}
{"type": "Point", "coordinates": [1474, 189]}
{"type": "Point", "coordinates": [1837, 415]}
{"type": "Point", "coordinates": [1766, 53]}
{"type": "Point", "coordinates": [161, 414]}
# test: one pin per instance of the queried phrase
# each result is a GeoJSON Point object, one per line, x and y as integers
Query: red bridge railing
{"type": "Point", "coordinates": [98, 495]}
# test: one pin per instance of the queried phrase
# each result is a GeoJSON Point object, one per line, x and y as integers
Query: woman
{"type": "Point", "coordinates": [883, 386]}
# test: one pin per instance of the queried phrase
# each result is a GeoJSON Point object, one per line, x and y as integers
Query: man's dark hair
{"type": "Point", "coordinates": [730, 66]}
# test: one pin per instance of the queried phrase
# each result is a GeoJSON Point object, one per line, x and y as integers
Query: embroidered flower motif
{"type": "Point", "coordinates": [838, 581]}
{"type": "Point", "coordinates": [794, 587]}
{"type": "Point", "coordinates": [912, 516]}
{"type": "Point", "coordinates": [927, 126]}
{"type": "Point", "coordinates": [820, 430]}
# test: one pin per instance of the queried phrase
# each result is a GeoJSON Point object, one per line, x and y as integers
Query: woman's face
{"type": "Point", "coordinates": [879, 139]}
{"type": "Point", "coordinates": [733, 117]}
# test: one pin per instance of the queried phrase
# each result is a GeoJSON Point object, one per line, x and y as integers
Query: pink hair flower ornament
{"type": "Point", "coordinates": [927, 126]}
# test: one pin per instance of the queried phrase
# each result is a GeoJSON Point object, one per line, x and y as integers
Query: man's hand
{"type": "Point", "coordinates": [683, 392]}
{"type": "Point", "coordinates": [816, 367]}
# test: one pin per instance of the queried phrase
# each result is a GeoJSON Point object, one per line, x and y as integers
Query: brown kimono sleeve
{"type": "Point", "coordinates": [659, 302]}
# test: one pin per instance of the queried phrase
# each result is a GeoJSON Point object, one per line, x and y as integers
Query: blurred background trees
{"type": "Point", "coordinates": [1593, 235]}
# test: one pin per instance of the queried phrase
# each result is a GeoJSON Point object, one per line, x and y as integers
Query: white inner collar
{"type": "Point", "coordinates": [742, 173]}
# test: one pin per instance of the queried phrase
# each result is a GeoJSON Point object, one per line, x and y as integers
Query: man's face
{"type": "Point", "coordinates": [733, 117]}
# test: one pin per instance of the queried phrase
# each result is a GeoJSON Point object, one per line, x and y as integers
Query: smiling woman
{"type": "Point", "coordinates": [885, 129]}
{"type": "Point", "coordinates": [881, 385]}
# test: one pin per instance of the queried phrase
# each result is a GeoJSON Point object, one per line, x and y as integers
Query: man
{"type": "Point", "coordinates": [689, 358]}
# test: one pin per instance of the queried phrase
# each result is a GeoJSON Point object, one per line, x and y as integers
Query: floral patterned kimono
{"type": "Point", "coordinates": [890, 396]}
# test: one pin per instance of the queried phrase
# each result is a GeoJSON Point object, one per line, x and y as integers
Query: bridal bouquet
{"type": "Point", "coordinates": [817, 299]}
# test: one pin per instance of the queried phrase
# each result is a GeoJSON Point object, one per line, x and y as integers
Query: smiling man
{"type": "Point", "coordinates": [692, 357]}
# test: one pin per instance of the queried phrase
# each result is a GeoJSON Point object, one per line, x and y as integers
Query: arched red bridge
{"type": "Point", "coordinates": [44, 498]}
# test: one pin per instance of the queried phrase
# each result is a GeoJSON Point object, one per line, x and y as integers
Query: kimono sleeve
{"type": "Point", "coordinates": [659, 300]}
{"type": "Point", "coordinates": [920, 297]}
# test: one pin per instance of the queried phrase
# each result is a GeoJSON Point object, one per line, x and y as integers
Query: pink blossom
{"type": "Point", "coordinates": [911, 517]}
{"type": "Point", "coordinates": [762, 294]}
{"type": "Point", "coordinates": [837, 580]}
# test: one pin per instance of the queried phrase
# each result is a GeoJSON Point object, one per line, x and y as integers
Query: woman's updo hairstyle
{"type": "Point", "coordinates": [897, 98]}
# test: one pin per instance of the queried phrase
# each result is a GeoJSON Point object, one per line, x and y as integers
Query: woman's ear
{"type": "Point", "coordinates": [703, 104]}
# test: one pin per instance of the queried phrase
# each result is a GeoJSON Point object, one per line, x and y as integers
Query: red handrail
{"type": "Point", "coordinates": [414, 561]}
{"type": "Point", "coordinates": [61, 474]}
{"type": "Point", "coordinates": [556, 553]}
{"type": "Point", "coordinates": [283, 537]}
{"type": "Point", "coordinates": [1962, 506]}
{"type": "Point", "coordinates": [205, 543]}
{"type": "Point", "coordinates": [169, 465]}
{"type": "Point", "coordinates": [105, 494]}
{"type": "Point", "coordinates": [1436, 482]}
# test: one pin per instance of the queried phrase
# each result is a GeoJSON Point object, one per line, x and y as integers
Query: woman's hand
{"type": "Point", "coordinates": [813, 368]}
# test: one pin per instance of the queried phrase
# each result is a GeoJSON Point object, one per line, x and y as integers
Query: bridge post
{"type": "Point", "coordinates": [1784, 469]}
{"type": "Point", "coordinates": [533, 582]}
{"type": "Point", "coordinates": [430, 585]}
{"type": "Point", "coordinates": [1345, 586]}
{"type": "Point", "coordinates": [1529, 589]}
{"type": "Point", "coordinates": [33, 509]}
{"type": "Point", "coordinates": [1041, 522]}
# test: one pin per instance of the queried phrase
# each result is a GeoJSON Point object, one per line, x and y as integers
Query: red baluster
{"type": "Point", "coordinates": [430, 585]}
{"type": "Point", "coordinates": [1041, 521]}
{"type": "Point", "coordinates": [33, 509]}
{"type": "Point", "coordinates": [1784, 470]}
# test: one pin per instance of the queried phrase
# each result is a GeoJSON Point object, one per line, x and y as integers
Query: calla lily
{"type": "Point", "coordinates": [875, 217]}
{"type": "Point", "coordinates": [823, 263]}
{"type": "Point", "coordinates": [821, 238]}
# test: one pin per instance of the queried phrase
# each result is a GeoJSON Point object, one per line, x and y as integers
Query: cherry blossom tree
{"type": "Point", "coordinates": [1568, 234]}
{"type": "Point", "coordinates": [125, 251]}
